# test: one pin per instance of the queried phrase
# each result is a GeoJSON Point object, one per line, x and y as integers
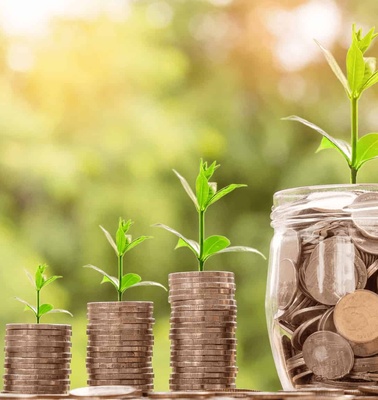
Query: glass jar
{"type": "Point", "coordinates": [321, 298]}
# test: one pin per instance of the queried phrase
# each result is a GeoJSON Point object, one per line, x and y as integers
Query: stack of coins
{"type": "Point", "coordinates": [37, 358]}
{"type": "Point", "coordinates": [120, 344]}
{"type": "Point", "coordinates": [202, 331]}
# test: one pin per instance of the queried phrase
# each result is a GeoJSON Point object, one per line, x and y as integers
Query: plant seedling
{"type": "Point", "coordinates": [361, 74]}
{"type": "Point", "coordinates": [121, 246]}
{"type": "Point", "coordinates": [39, 282]}
{"type": "Point", "coordinates": [206, 195]}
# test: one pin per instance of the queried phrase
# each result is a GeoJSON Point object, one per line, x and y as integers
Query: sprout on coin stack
{"type": "Point", "coordinates": [120, 336]}
{"type": "Point", "coordinates": [322, 289]}
{"type": "Point", "coordinates": [203, 316]}
{"type": "Point", "coordinates": [37, 356]}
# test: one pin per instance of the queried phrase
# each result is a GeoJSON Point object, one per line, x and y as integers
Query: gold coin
{"type": "Point", "coordinates": [356, 316]}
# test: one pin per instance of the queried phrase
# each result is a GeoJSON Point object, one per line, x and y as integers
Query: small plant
{"type": "Point", "coordinates": [121, 246]}
{"type": "Point", "coordinates": [39, 282]}
{"type": "Point", "coordinates": [361, 74]}
{"type": "Point", "coordinates": [206, 195]}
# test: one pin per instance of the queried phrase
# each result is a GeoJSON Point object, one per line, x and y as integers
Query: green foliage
{"type": "Point", "coordinates": [361, 74]}
{"type": "Point", "coordinates": [206, 195]}
{"type": "Point", "coordinates": [123, 243]}
{"type": "Point", "coordinates": [39, 282]}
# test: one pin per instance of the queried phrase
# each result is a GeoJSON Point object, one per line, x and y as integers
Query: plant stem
{"type": "Point", "coordinates": [201, 238]}
{"type": "Point", "coordinates": [120, 275]}
{"type": "Point", "coordinates": [354, 138]}
{"type": "Point", "coordinates": [37, 315]}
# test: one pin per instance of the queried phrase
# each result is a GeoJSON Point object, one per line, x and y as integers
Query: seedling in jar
{"type": "Point", "coordinates": [361, 75]}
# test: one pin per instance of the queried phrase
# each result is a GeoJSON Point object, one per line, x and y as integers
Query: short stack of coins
{"type": "Point", "coordinates": [37, 358]}
{"type": "Point", "coordinates": [202, 330]}
{"type": "Point", "coordinates": [120, 344]}
{"type": "Point", "coordinates": [326, 290]}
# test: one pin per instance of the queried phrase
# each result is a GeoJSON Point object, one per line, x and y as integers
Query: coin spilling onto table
{"type": "Point", "coordinates": [120, 344]}
{"type": "Point", "coordinates": [202, 331]}
{"type": "Point", "coordinates": [325, 294]}
{"type": "Point", "coordinates": [37, 359]}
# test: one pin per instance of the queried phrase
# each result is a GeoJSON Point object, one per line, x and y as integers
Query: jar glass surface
{"type": "Point", "coordinates": [321, 297]}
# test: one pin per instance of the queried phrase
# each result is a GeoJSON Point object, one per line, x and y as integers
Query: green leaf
{"type": "Point", "coordinates": [335, 67]}
{"type": "Point", "coordinates": [338, 144]}
{"type": "Point", "coordinates": [213, 244]}
{"type": "Point", "coordinates": [208, 170]}
{"type": "Point", "coordinates": [150, 283]}
{"type": "Point", "coordinates": [326, 144]}
{"type": "Point", "coordinates": [51, 280]}
{"type": "Point", "coordinates": [109, 278]}
{"type": "Point", "coordinates": [39, 278]}
{"type": "Point", "coordinates": [28, 306]}
{"type": "Point", "coordinates": [193, 245]}
{"type": "Point", "coordinates": [121, 241]}
{"type": "Point", "coordinates": [370, 66]}
{"type": "Point", "coordinates": [30, 277]}
{"type": "Point", "coordinates": [188, 189]}
{"type": "Point", "coordinates": [110, 239]}
{"type": "Point", "coordinates": [355, 69]}
{"type": "Point", "coordinates": [136, 242]}
{"type": "Point", "coordinates": [202, 190]}
{"type": "Point", "coordinates": [241, 249]}
{"type": "Point", "coordinates": [44, 309]}
{"type": "Point", "coordinates": [226, 190]}
{"type": "Point", "coordinates": [59, 310]}
{"type": "Point", "coordinates": [365, 42]}
{"type": "Point", "coordinates": [129, 280]}
{"type": "Point", "coordinates": [367, 149]}
{"type": "Point", "coordinates": [371, 81]}
{"type": "Point", "coordinates": [125, 225]}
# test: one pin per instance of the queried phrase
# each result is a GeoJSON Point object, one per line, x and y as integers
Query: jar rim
{"type": "Point", "coordinates": [308, 204]}
{"type": "Point", "coordinates": [295, 193]}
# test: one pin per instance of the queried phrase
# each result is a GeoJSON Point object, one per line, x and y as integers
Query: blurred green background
{"type": "Point", "coordinates": [99, 100]}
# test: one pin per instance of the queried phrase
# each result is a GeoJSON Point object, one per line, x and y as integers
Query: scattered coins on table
{"type": "Point", "coordinates": [37, 359]}
{"type": "Point", "coordinates": [326, 306]}
{"type": "Point", "coordinates": [120, 344]}
{"type": "Point", "coordinates": [202, 331]}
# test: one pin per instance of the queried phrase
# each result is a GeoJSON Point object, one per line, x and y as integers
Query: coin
{"type": "Point", "coordinates": [131, 305]}
{"type": "Point", "coordinates": [328, 355]}
{"type": "Point", "coordinates": [205, 275]}
{"type": "Point", "coordinates": [129, 382]}
{"type": "Point", "coordinates": [304, 314]}
{"type": "Point", "coordinates": [331, 261]}
{"type": "Point", "coordinates": [205, 341]}
{"type": "Point", "coordinates": [356, 316]}
{"type": "Point", "coordinates": [121, 336]}
{"type": "Point", "coordinates": [103, 391]}
{"type": "Point", "coordinates": [326, 322]}
{"type": "Point", "coordinates": [304, 331]}
{"type": "Point", "coordinates": [34, 327]}
{"type": "Point", "coordinates": [202, 352]}
{"type": "Point", "coordinates": [205, 361]}
{"type": "Point", "coordinates": [366, 244]}
{"type": "Point", "coordinates": [287, 284]}
{"type": "Point", "coordinates": [364, 211]}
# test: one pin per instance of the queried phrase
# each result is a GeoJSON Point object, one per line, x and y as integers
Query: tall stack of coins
{"type": "Point", "coordinates": [120, 344]}
{"type": "Point", "coordinates": [322, 297]}
{"type": "Point", "coordinates": [202, 331]}
{"type": "Point", "coordinates": [37, 358]}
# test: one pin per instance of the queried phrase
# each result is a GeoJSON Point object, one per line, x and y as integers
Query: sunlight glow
{"type": "Point", "coordinates": [296, 29]}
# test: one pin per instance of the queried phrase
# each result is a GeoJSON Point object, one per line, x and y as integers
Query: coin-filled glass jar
{"type": "Point", "coordinates": [321, 298]}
